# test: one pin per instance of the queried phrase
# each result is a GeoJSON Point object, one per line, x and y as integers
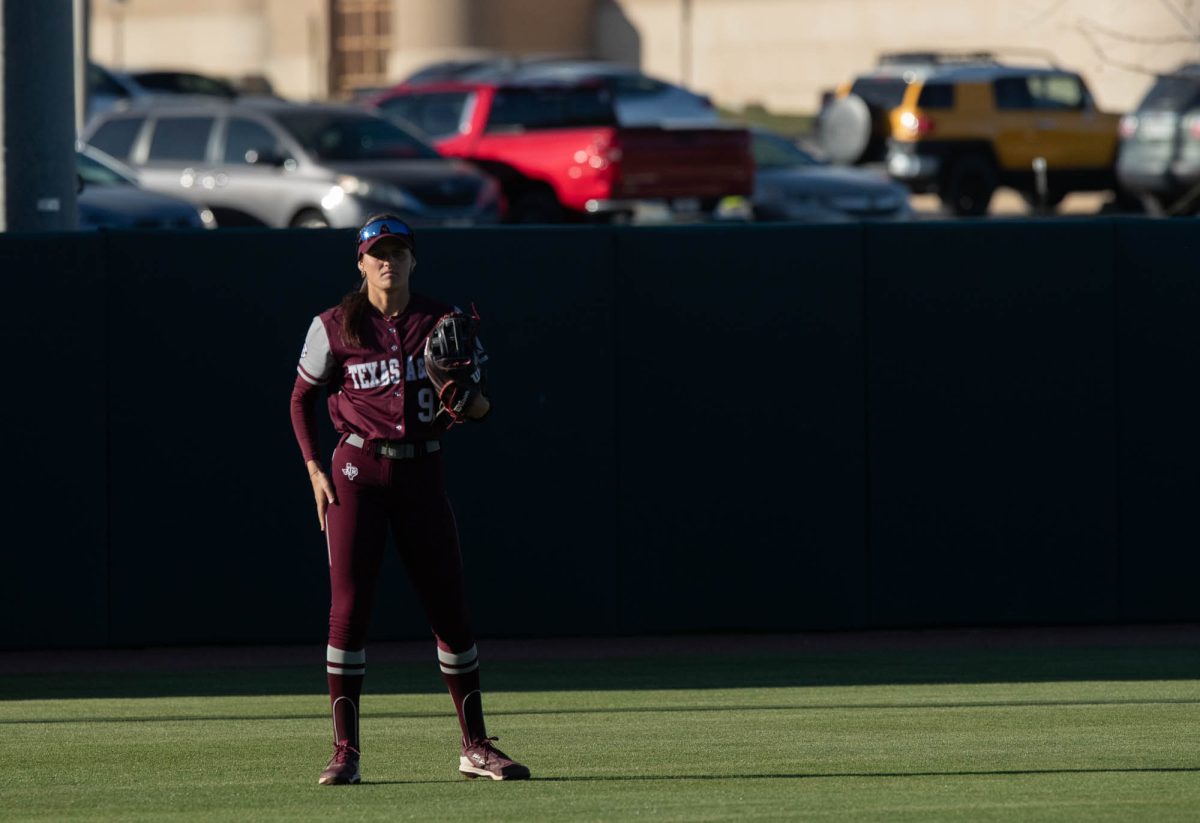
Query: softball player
{"type": "Point", "coordinates": [386, 474]}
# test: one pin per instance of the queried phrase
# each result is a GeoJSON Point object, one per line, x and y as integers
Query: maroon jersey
{"type": "Point", "coordinates": [378, 390]}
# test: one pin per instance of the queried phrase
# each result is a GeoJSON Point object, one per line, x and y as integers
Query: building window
{"type": "Point", "coordinates": [362, 34]}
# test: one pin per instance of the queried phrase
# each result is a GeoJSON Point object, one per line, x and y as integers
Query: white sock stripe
{"type": "Point", "coordinates": [335, 655]}
{"type": "Point", "coordinates": [345, 672]}
{"type": "Point", "coordinates": [462, 670]}
{"type": "Point", "coordinates": [457, 659]}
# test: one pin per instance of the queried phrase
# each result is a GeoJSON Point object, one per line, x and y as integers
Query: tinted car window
{"type": "Point", "coordinates": [1012, 93]}
{"type": "Point", "coordinates": [244, 136]}
{"type": "Point", "coordinates": [1172, 94]}
{"type": "Point", "coordinates": [880, 92]}
{"type": "Point", "coordinates": [95, 173]}
{"type": "Point", "coordinates": [183, 83]}
{"type": "Point", "coordinates": [773, 153]}
{"type": "Point", "coordinates": [180, 138]}
{"type": "Point", "coordinates": [115, 138]}
{"type": "Point", "coordinates": [438, 115]}
{"type": "Point", "coordinates": [936, 96]}
{"type": "Point", "coordinates": [100, 81]}
{"type": "Point", "coordinates": [637, 85]}
{"type": "Point", "coordinates": [551, 109]}
{"type": "Point", "coordinates": [348, 136]}
{"type": "Point", "coordinates": [1055, 91]}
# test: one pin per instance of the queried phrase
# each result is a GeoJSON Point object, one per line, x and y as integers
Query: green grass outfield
{"type": "Point", "coordinates": [1010, 734]}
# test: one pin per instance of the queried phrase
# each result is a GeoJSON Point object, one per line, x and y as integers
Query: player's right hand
{"type": "Point", "coordinates": [323, 494]}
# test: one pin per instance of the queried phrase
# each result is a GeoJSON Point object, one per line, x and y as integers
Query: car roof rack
{"type": "Point", "coordinates": [936, 58]}
{"type": "Point", "coordinates": [933, 58]}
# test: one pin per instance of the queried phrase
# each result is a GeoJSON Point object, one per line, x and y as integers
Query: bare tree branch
{"type": "Point", "coordinates": [1182, 17]}
{"type": "Point", "coordinates": [1169, 40]}
{"type": "Point", "coordinates": [1045, 14]}
{"type": "Point", "coordinates": [1099, 50]}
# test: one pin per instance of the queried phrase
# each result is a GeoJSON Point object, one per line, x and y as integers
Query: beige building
{"type": "Point", "coordinates": [776, 53]}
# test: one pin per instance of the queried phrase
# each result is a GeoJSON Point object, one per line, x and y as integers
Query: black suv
{"type": "Point", "coordinates": [1160, 144]}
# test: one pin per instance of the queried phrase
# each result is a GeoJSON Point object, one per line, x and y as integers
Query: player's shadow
{"type": "Point", "coordinates": [691, 672]}
{"type": "Point", "coordinates": [622, 778]}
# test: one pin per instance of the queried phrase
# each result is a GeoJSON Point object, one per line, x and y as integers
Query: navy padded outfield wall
{"type": "Point", "coordinates": [696, 428]}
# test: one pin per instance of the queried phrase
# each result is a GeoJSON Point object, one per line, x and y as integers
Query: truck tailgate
{"type": "Point", "coordinates": [676, 163]}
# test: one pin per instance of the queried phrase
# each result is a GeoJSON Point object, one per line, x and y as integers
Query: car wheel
{"type": "Point", "coordinates": [967, 189]}
{"type": "Point", "coordinates": [1053, 198]}
{"type": "Point", "coordinates": [1123, 202]}
{"type": "Point", "coordinates": [310, 219]}
{"type": "Point", "coordinates": [844, 129]}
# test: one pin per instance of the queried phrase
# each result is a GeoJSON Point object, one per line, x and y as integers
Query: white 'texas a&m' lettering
{"type": "Point", "coordinates": [415, 369]}
{"type": "Point", "coordinates": [373, 375]}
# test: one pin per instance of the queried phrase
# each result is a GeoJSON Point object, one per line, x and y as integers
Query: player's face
{"type": "Point", "coordinates": [387, 265]}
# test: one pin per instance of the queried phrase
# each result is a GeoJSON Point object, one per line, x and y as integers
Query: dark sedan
{"type": "Point", "coordinates": [791, 184]}
{"type": "Point", "coordinates": [110, 198]}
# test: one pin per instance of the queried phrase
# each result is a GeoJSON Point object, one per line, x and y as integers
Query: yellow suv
{"type": "Point", "coordinates": [961, 125]}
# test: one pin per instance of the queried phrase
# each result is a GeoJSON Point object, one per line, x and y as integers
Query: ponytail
{"type": "Point", "coordinates": [354, 313]}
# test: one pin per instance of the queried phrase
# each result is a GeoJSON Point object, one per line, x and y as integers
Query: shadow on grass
{"type": "Point", "coordinates": [688, 672]}
{"type": "Point", "coordinates": [622, 778]}
{"type": "Point", "coordinates": [657, 709]}
{"type": "Point", "coordinates": [873, 775]}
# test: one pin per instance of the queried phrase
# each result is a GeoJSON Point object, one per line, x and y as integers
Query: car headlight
{"type": "Point", "coordinates": [377, 190]}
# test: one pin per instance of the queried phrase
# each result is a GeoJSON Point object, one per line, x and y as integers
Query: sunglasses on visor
{"type": "Point", "coordinates": [378, 227]}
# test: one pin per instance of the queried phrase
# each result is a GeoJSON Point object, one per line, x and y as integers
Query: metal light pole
{"type": "Point", "coordinates": [37, 115]}
{"type": "Point", "coordinates": [685, 42]}
{"type": "Point", "coordinates": [83, 28]}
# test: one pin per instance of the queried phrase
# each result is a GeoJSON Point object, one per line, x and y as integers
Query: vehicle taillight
{"type": "Point", "coordinates": [1127, 127]}
{"type": "Point", "coordinates": [600, 153]}
{"type": "Point", "coordinates": [917, 125]}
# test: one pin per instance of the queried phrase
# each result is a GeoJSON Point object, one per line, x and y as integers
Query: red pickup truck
{"type": "Point", "coordinates": [560, 154]}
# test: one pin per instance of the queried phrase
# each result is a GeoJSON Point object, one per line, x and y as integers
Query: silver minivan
{"type": "Point", "coordinates": [280, 164]}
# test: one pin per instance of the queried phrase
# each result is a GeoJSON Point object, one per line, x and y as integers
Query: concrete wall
{"type": "Point", "coordinates": [778, 53]}
{"type": "Point", "coordinates": [782, 53]}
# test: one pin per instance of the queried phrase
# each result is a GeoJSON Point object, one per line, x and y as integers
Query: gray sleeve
{"type": "Point", "coordinates": [316, 359]}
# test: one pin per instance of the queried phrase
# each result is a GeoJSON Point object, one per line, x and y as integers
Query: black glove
{"type": "Point", "coordinates": [450, 353]}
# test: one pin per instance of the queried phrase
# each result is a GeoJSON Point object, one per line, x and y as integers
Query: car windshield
{"type": "Point", "coordinates": [183, 83]}
{"type": "Point", "coordinates": [95, 173]}
{"type": "Point", "coordinates": [771, 152]}
{"type": "Point", "coordinates": [1172, 94]}
{"type": "Point", "coordinates": [880, 92]}
{"type": "Point", "coordinates": [348, 136]}
{"type": "Point", "coordinates": [516, 109]}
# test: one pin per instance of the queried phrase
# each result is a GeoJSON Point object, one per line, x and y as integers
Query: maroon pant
{"type": "Point", "coordinates": [406, 496]}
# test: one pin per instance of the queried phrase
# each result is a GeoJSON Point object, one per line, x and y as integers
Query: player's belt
{"type": "Point", "coordinates": [396, 449]}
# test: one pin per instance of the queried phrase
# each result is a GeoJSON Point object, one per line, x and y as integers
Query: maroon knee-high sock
{"type": "Point", "coordinates": [461, 673]}
{"type": "Point", "coordinates": [345, 670]}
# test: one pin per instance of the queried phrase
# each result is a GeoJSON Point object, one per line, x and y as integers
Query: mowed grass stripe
{"type": "Point", "coordinates": [1029, 750]}
{"type": "Point", "coordinates": [1010, 704]}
